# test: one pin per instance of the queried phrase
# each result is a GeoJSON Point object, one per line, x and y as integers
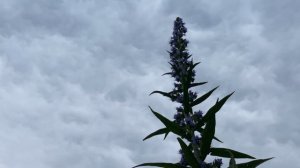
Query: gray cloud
{"type": "Point", "coordinates": [75, 78]}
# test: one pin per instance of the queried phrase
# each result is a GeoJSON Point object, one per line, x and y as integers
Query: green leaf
{"type": "Point", "coordinates": [207, 136]}
{"type": "Point", "coordinates": [166, 165]}
{"type": "Point", "coordinates": [168, 73]}
{"type": "Point", "coordinates": [223, 152]}
{"type": "Point", "coordinates": [158, 132]}
{"type": "Point", "coordinates": [196, 84]}
{"type": "Point", "coordinates": [214, 109]}
{"type": "Point", "coordinates": [217, 139]}
{"type": "Point", "coordinates": [171, 126]}
{"type": "Point", "coordinates": [166, 134]}
{"type": "Point", "coordinates": [252, 164]}
{"type": "Point", "coordinates": [163, 93]}
{"type": "Point", "coordinates": [194, 65]}
{"type": "Point", "coordinates": [203, 97]}
{"type": "Point", "coordinates": [188, 154]}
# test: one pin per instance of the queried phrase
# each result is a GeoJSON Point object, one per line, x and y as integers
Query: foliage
{"type": "Point", "coordinates": [193, 127]}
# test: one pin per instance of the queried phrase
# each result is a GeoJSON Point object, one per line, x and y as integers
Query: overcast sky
{"type": "Point", "coordinates": [75, 77]}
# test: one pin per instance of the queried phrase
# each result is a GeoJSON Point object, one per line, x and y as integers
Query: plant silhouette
{"type": "Point", "coordinates": [194, 128]}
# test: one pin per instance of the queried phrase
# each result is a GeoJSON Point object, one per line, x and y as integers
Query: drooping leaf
{"type": "Point", "coordinates": [196, 84]}
{"type": "Point", "coordinates": [253, 164]}
{"type": "Point", "coordinates": [215, 108]}
{"type": "Point", "coordinates": [223, 152]}
{"type": "Point", "coordinates": [158, 132]}
{"type": "Point", "coordinates": [168, 73]}
{"type": "Point", "coordinates": [203, 97]}
{"type": "Point", "coordinates": [207, 136]}
{"type": "Point", "coordinates": [171, 126]}
{"type": "Point", "coordinates": [165, 165]}
{"type": "Point", "coordinates": [169, 94]}
{"type": "Point", "coordinates": [188, 154]}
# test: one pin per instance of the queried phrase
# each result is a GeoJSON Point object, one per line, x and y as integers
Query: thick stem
{"type": "Point", "coordinates": [187, 112]}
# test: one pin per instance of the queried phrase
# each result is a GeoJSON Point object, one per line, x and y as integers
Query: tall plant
{"type": "Point", "coordinates": [195, 130]}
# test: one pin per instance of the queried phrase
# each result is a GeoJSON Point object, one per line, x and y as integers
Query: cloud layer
{"type": "Point", "coordinates": [75, 78]}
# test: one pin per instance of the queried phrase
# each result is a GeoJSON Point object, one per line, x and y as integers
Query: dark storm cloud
{"type": "Point", "coordinates": [75, 78]}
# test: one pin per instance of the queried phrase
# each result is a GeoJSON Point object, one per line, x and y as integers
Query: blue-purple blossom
{"type": "Point", "coordinates": [189, 121]}
{"type": "Point", "coordinates": [217, 163]}
{"type": "Point", "coordinates": [179, 98]}
{"type": "Point", "coordinates": [179, 109]}
{"type": "Point", "coordinates": [198, 114]}
{"type": "Point", "coordinates": [177, 117]}
{"type": "Point", "coordinates": [192, 96]}
{"type": "Point", "coordinates": [179, 55]}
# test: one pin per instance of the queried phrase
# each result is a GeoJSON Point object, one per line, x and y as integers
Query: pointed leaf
{"type": "Point", "coordinates": [163, 93]}
{"type": "Point", "coordinates": [207, 136]}
{"type": "Point", "coordinates": [217, 139]}
{"type": "Point", "coordinates": [253, 164]}
{"type": "Point", "coordinates": [158, 132]}
{"type": "Point", "coordinates": [194, 65]}
{"type": "Point", "coordinates": [168, 73]}
{"type": "Point", "coordinates": [166, 134]}
{"type": "Point", "coordinates": [203, 97]}
{"type": "Point", "coordinates": [214, 109]}
{"type": "Point", "coordinates": [196, 84]}
{"type": "Point", "coordinates": [223, 152]}
{"type": "Point", "coordinates": [188, 154]}
{"type": "Point", "coordinates": [166, 165]}
{"type": "Point", "coordinates": [171, 126]}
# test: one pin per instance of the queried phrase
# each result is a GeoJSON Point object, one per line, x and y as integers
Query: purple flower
{"type": "Point", "coordinates": [179, 98]}
{"type": "Point", "coordinates": [218, 163]}
{"type": "Point", "coordinates": [198, 114]}
{"type": "Point", "coordinates": [179, 54]}
{"type": "Point", "coordinates": [179, 109]}
{"type": "Point", "coordinates": [189, 121]}
{"type": "Point", "coordinates": [177, 117]}
{"type": "Point", "coordinates": [192, 96]}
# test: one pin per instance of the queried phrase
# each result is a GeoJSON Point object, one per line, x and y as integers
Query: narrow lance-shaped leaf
{"type": "Point", "coordinates": [203, 97]}
{"type": "Point", "coordinates": [214, 109]}
{"type": "Point", "coordinates": [252, 164]}
{"type": "Point", "coordinates": [169, 94]}
{"type": "Point", "coordinates": [166, 134]}
{"type": "Point", "coordinates": [196, 84]}
{"type": "Point", "coordinates": [188, 154]}
{"type": "Point", "coordinates": [158, 132]}
{"type": "Point", "coordinates": [165, 165]}
{"type": "Point", "coordinates": [223, 152]}
{"type": "Point", "coordinates": [168, 73]}
{"type": "Point", "coordinates": [207, 136]}
{"type": "Point", "coordinates": [171, 126]}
